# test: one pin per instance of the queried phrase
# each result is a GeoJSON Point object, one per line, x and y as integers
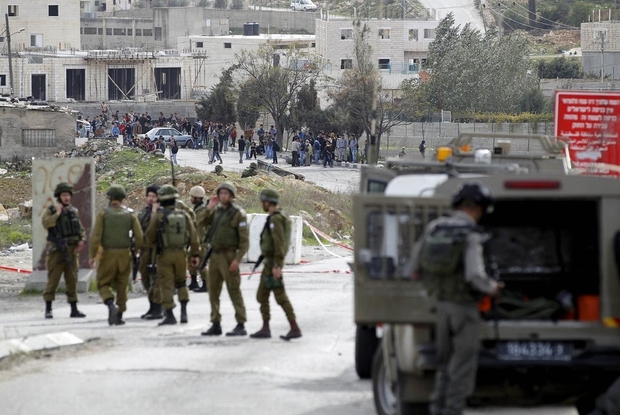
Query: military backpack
{"type": "Point", "coordinates": [117, 224]}
{"type": "Point", "coordinates": [175, 232]}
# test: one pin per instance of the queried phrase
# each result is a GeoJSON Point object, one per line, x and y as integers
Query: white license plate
{"type": "Point", "coordinates": [535, 351]}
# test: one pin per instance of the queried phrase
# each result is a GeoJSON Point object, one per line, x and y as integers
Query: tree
{"type": "Point", "coordinates": [237, 4]}
{"type": "Point", "coordinates": [560, 67]}
{"type": "Point", "coordinates": [219, 105]}
{"type": "Point", "coordinates": [360, 88]}
{"type": "Point", "coordinates": [220, 4]}
{"type": "Point", "coordinates": [475, 72]}
{"type": "Point", "coordinates": [277, 78]}
{"type": "Point", "coordinates": [248, 105]}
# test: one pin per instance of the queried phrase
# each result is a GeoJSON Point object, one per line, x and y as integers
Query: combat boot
{"type": "Point", "coordinates": [214, 330]}
{"type": "Point", "coordinates": [145, 315]}
{"type": "Point", "coordinates": [75, 313]}
{"type": "Point", "coordinates": [194, 284]}
{"type": "Point", "coordinates": [263, 333]}
{"type": "Point", "coordinates": [48, 310]}
{"type": "Point", "coordinates": [119, 319]}
{"type": "Point", "coordinates": [183, 312]}
{"type": "Point", "coordinates": [169, 320]}
{"type": "Point", "coordinates": [156, 313]}
{"type": "Point", "coordinates": [294, 333]}
{"type": "Point", "coordinates": [239, 330]}
{"type": "Point", "coordinates": [202, 288]}
{"type": "Point", "coordinates": [112, 311]}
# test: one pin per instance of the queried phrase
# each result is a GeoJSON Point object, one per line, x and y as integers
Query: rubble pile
{"type": "Point", "coordinates": [100, 150]}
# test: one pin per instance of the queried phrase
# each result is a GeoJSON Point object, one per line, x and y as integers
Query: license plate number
{"type": "Point", "coordinates": [534, 351]}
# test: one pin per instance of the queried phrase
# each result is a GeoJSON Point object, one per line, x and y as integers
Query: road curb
{"type": "Point", "coordinates": [36, 343]}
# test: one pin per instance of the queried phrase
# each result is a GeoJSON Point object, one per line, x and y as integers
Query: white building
{"type": "Point", "coordinates": [52, 24]}
{"type": "Point", "coordinates": [399, 47]}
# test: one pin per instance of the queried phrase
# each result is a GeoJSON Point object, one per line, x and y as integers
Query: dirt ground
{"type": "Point", "coordinates": [15, 190]}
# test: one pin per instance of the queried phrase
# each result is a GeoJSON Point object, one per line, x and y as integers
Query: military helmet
{"type": "Point", "coordinates": [475, 192]}
{"type": "Point", "coordinates": [116, 192]}
{"type": "Point", "coordinates": [167, 192]}
{"type": "Point", "coordinates": [197, 191]}
{"type": "Point", "coordinates": [62, 188]}
{"type": "Point", "coordinates": [253, 165]}
{"type": "Point", "coordinates": [219, 169]}
{"type": "Point", "coordinates": [269, 195]}
{"type": "Point", "coordinates": [228, 186]}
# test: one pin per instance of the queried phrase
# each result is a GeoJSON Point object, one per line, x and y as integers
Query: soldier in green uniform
{"type": "Point", "coordinates": [197, 193]}
{"type": "Point", "coordinates": [65, 239]}
{"type": "Point", "coordinates": [274, 243]}
{"type": "Point", "coordinates": [148, 259]}
{"type": "Point", "coordinates": [172, 230]}
{"type": "Point", "coordinates": [228, 240]}
{"type": "Point", "coordinates": [112, 233]}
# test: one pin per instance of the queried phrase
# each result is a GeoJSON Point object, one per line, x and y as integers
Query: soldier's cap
{"type": "Point", "coordinates": [63, 187]}
{"type": "Point", "coordinates": [167, 192]}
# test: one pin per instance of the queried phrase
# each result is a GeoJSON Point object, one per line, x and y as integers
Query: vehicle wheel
{"type": "Point", "coordinates": [304, 9]}
{"type": "Point", "coordinates": [366, 344]}
{"type": "Point", "coordinates": [411, 408]}
{"type": "Point", "coordinates": [189, 144]}
{"type": "Point", "coordinates": [293, 8]}
{"type": "Point", "coordinates": [384, 393]}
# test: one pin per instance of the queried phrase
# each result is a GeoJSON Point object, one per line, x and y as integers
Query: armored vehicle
{"type": "Point", "coordinates": [553, 240]}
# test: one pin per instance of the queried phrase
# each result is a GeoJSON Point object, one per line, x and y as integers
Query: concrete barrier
{"type": "Point", "coordinates": [256, 223]}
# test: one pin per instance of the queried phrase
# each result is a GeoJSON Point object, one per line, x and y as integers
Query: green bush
{"type": "Point", "coordinates": [15, 233]}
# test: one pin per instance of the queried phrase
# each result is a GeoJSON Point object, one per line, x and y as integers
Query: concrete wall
{"type": "Point", "coordinates": [276, 20]}
{"type": "Point", "coordinates": [116, 33]}
{"type": "Point", "coordinates": [256, 222]}
{"type": "Point", "coordinates": [175, 22]}
{"type": "Point", "coordinates": [549, 86]}
{"type": "Point", "coordinates": [61, 32]}
{"type": "Point", "coordinates": [182, 108]}
{"type": "Point", "coordinates": [46, 174]}
{"type": "Point", "coordinates": [34, 133]}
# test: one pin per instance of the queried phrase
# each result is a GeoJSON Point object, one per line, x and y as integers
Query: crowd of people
{"type": "Point", "coordinates": [307, 148]}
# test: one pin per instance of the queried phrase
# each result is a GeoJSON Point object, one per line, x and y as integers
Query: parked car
{"type": "Point", "coordinates": [303, 5]}
{"type": "Point", "coordinates": [183, 140]}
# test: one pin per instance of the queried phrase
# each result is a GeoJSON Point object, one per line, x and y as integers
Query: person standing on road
{"type": "Point", "coordinates": [197, 193]}
{"type": "Point", "coordinates": [172, 231]}
{"type": "Point", "coordinates": [174, 149]}
{"type": "Point", "coordinates": [302, 151]}
{"type": "Point", "coordinates": [228, 241]}
{"type": "Point", "coordinates": [111, 233]}
{"type": "Point", "coordinates": [341, 148]}
{"type": "Point", "coordinates": [249, 137]}
{"type": "Point", "coordinates": [308, 153]}
{"type": "Point", "coordinates": [274, 243]}
{"type": "Point", "coordinates": [253, 150]}
{"type": "Point", "coordinates": [241, 148]}
{"type": "Point", "coordinates": [275, 147]}
{"type": "Point", "coordinates": [148, 267]}
{"type": "Point", "coordinates": [295, 152]}
{"type": "Point", "coordinates": [328, 155]}
{"type": "Point", "coordinates": [449, 260]}
{"type": "Point", "coordinates": [422, 149]}
{"type": "Point", "coordinates": [216, 152]}
{"type": "Point", "coordinates": [210, 144]}
{"type": "Point", "coordinates": [65, 240]}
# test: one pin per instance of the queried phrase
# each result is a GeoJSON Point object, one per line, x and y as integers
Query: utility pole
{"type": "Point", "coordinates": [8, 44]}
{"type": "Point", "coordinates": [602, 36]}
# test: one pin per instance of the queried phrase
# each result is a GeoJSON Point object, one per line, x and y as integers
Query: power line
{"type": "Point", "coordinates": [543, 18]}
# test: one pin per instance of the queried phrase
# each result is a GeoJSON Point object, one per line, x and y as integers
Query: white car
{"type": "Point", "coordinates": [183, 140]}
{"type": "Point", "coordinates": [303, 5]}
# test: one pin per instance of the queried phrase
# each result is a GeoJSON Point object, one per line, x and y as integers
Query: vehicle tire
{"type": "Point", "coordinates": [384, 393]}
{"type": "Point", "coordinates": [189, 144]}
{"type": "Point", "coordinates": [411, 408]}
{"type": "Point", "coordinates": [293, 8]}
{"type": "Point", "coordinates": [366, 344]}
{"type": "Point", "coordinates": [304, 9]}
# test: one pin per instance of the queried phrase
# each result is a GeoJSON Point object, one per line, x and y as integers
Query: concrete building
{"type": "Point", "coordinates": [26, 133]}
{"type": "Point", "coordinates": [399, 47]}
{"type": "Point", "coordinates": [600, 45]}
{"type": "Point", "coordinates": [51, 25]}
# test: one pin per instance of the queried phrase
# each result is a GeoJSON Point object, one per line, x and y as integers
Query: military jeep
{"type": "Point", "coordinates": [551, 338]}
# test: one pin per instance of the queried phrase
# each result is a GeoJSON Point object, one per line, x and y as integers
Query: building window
{"type": "Point", "coordinates": [384, 34]}
{"type": "Point", "coordinates": [223, 22]}
{"type": "Point", "coordinates": [384, 64]}
{"type": "Point", "coordinates": [13, 10]}
{"type": "Point", "coordinates": [119, 32]}
{"type": "Point", "coordinates": [413, 34]}
{"type": "Point", "coordinates": [2, 80]}
{"type": "Point", "coordinates": [129, 32]}
{"type": "Point", "coordinates": [52, 10]}
{"type": "Point", "coordinates": [158, 33]}
{"type": "Point", "coordinates": [90, 30]}
{"type": "Point", "coordinates": [147, 32]}
{"type": "Point", "coordinates": [346, 63]}
{"type": "Point", "coordinates": [108, 31]}
{"type": "Point", "coordinates": [208, 22]}
{"type": "Point", "coordinates": [346, 34]}
{"type": "Point", "coordinates": [100, 31]}
{"type": "Point", "coordinates": [199, 44]}
{"type": "Point", "coordinates": [313, 45]}
{"type": "Point", "coordinates": [429, 33]}
{"type": "Point", "coordinates": [1, 39]}
{"type": "Point", "coordinates": [36, 41]}
{"type": "Point", "coordinates": [227, 45]}
{"type": "Point", "coordinates": [138, 32]}
{"type": "Point", "coordinates": [38, 138]}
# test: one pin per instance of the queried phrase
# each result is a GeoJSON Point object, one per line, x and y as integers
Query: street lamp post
{"type": "Point", "coordinates": [8, 44]}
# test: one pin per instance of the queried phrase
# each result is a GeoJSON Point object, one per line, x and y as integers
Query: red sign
{"type": "Point", "coordinates": [590, 123]}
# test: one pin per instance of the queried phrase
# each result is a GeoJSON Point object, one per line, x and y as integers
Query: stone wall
{"type": "Point", "coordinates": [34, 133]}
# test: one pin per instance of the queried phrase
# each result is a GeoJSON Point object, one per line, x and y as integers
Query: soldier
{"type": "Point", "coordinates": [111, 233]}
{"type": "Point", "coordinates": [449, 259]}
{"type": "Point", "coordinates": [274, 243]}
{"type": "Point", "coordinates": [65, 239]}
{"type": "Point", "coordinates": [228, 242]}
{"type": "Point", "coordinates": [197, 193]}
{"type": "Point", "coordinates": [148, 269]}
{"type": "Point", "coordinates": [172, 230]}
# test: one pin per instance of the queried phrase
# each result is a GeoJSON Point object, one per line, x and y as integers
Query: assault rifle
{"type": "Point", "coordinates": [258, 262]}
{"type": "Point", "coordinates": [53, 235]}
{"type": "Point", "coordinates": [204, 261]}
{"type": "Point", "coordinates": [135, 259]}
